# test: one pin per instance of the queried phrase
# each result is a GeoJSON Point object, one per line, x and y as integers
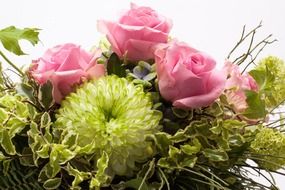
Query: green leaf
{"type": "Point", "coordinates": [147, 170]}
{"type": "Point", "coordinates": [16, 125]}
{"type": "Point", "coordinates": [256, 106]}
{"type": "Point", "coordinates": [3, 115]}
{"type": "Point", "coordinates": [45, 124]}
{"type": "Point", "coordinates": [6, 142]}
{"type": "Point", "coordinates": [11, 35]}
{"type": "Point", "coordinates": [190, 150]}
{"type": "Point", "coordinates": [21, 109]}
{"type": "Point", "coordinates": [136, 183]}
{"type": "Point", "coordinates": [44, 173]}
{"type": "Point", "coordinates": [188, 162]}
{"type": "Point", "coordinates": [45, 120]}
{"type": "Point", "coordinates": [101, 178]}
{"type": "Point", "coordinates": [26, 90]}
{"type": "Point", "coordinates": [78, 175]}
{"type": "Point", "coordinates": [45, 95]}
{"type": "Point", "coordinates": [52, 183]}
{"type": "Point", "coordinates": [87, 149]}
{"type": "Point", "coordinates": [179, 136]}
{"type": "Point", "coordinates": [215, 109]}
{"type": "Point", "coordinates": [263, 78]}
{"type": "Point", "coordinates": [34, 131]}
{"type": "Point", "coordinates": [1, 77]}
{"type": "Point", "coordinates": [53, 166]}
{"type": "Point", "coordinates": [162, 142]}
{"type": "Point", "coordinates": [180, 113]}
{"type": "Point", "coordinates": [173, 152]}
{"type": "Point", "coordinates": [36, 141]}
{"type": "Point", "coordinates": [61, 154]}
{"type": "Point", "coordinates": [32, 112]}
{"type": "Point", "coordinates": [70, 140]}
{"type": "Point", "coordinates": [216, 155]}
{"type": "Point", "coordinates": [166, 163]}
{"type": "Point", "coordinates": [48, 136]}
{"type": "Point", "coordinates": [230, 124]}
{"type": "Point", "coordinates": [236, 140]}
{"type": "Point", "coordinates": [216, 129]}
{"type": "Point", "coordinates": [27, 158]}
{"type": "Point", "coordinates": [6, 165]}
{"type": "Point", "coordinates": [115, 66]}
{"type": "Point", "coordinates": [223, 143]}
{"type": "Point", "coordinates": [44, 151]}
{"type": "Point", "coordinates": [2, 157]}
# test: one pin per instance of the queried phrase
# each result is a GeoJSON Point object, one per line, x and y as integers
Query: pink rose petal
{"type": "Point", "coordinates": [65, 66]}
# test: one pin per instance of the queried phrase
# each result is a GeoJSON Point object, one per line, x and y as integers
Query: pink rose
{"type": "Point", "coordinates": [136, 33]}
{"type": "Point", "coordinates": [187, 77]}
{"type": "Point", "coordinates": [65, 65]}
{"type": "Point", "coordinates": [236, 85]}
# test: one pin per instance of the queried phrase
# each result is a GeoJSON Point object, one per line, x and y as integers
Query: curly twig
{"type": "Point", "coordinates": [243, 38]}
{"type": "Point", "coordinates": [252, 47]}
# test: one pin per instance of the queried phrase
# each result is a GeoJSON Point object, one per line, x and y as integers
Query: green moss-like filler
{"type": "Point", "coordinates": [270, 145]}
{"type": "Point", "coordinates": [113, 116]}
{"type": "Point", "coordinates": [273, 85]}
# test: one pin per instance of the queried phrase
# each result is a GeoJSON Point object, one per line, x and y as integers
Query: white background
{"type": "Point", "coordinates": [213, 26]}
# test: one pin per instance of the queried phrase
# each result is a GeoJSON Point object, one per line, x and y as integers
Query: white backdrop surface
{"type": "Point", "coordinates": [213, 26]}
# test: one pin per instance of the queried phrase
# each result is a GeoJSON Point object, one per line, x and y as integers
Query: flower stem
{"type": "Point", "coordinates": [12, 64]}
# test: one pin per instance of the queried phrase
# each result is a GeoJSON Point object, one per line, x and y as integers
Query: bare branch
{"type": "Point", "coordinates": [252, 47]}
{"type": "Point", "coordinates": [244, 37]}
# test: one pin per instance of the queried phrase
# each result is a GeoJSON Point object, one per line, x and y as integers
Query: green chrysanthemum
{"type": "Point", "coordinates": [110, 115]}
{"type": "Point", "coordinates": [270, 145]}
{"type": "Point", "coordinates": [13, 119]}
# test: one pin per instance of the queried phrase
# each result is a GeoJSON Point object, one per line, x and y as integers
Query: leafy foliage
{"type": "Point", "coordinates": [1, 78]}
{"type": "Point", "coordinates": [14, 117]}
{"type": "Point", "coordinates": [256, 106]}
{"type": "Point", "coordinates": [201, 154]}
{"type": "Point", "coordinates": [115, 66]}
{"type": "Point", "coordinates": [11, 35]}
{"type": "Point", "coordinates": [19, 177]}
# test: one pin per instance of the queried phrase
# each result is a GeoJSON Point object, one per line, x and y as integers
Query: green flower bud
{"type": "Point", "coordinates": [274, 69]}
{"type": "Point", "coordinates": [110, 115]}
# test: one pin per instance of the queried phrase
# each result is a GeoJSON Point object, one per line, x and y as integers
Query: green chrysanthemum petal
{"type": "Point", "coordinates": [110, 115]}
{"type": "Point", "coordinates": [270, 145]}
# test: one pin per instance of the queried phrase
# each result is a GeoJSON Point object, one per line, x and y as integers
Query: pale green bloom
{"type": "Point", "coordinates": [269, 144]}
{"type": "Point", "coordinates": [110, 115]}
{"type": "Point", "coordinates": [273, 85]}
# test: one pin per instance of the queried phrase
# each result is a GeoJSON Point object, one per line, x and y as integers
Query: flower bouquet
{"type": "Point", "coordinates": [140, 111]}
